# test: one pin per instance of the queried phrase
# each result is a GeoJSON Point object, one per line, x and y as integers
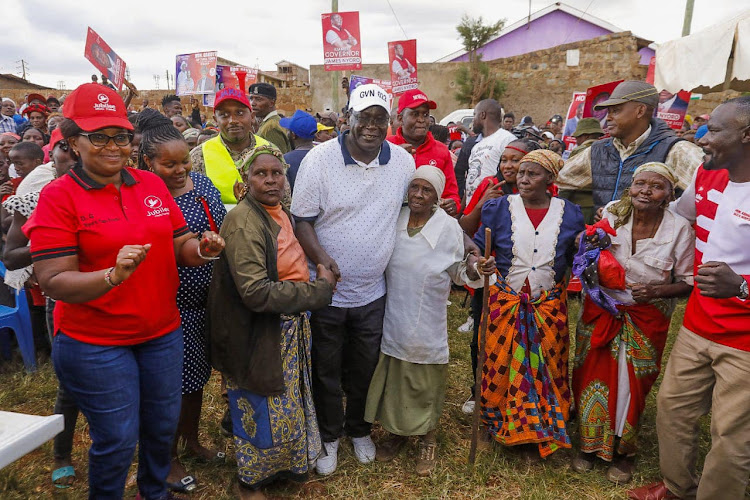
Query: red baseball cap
{"type": "Point", "coordinates": [92, 107]}
{"type": "Point", "coordinates": [231, 94]}
{"type": "Point", "coordinates": [36, 97]}
{"type": "Point", "coordinates": [55, 138]}
{"type": "Point", "coordinates": [413, 99]}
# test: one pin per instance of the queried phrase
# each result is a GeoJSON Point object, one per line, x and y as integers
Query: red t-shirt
{"type": "Point", "coordinates": [78, 216]}
{"type": "Point", "coordinates": [431, 152]}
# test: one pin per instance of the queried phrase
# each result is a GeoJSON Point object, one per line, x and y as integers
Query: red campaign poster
{"type": "Point", "coordinates": [673, 107]}
{"type": "Point", "coordinates": [99, 53]}
{"type": "Point", "coordinates": [595, 95]}
{"type": "Point", "coordinates": [195, 73]}
{"type": "Point", "coordinates": [575, 113]}
{"type": "Point", "coordinates": [402, 58]}
{"type": "Point", "coordinates": [342, 48]}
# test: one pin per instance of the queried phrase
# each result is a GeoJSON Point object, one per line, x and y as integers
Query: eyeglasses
{"type": "Point", "coordinates": [62, 144]}
{"type": "Point", "coordinates": [366, 121]}
{"type": "Point", "coordinates": [100, 140]}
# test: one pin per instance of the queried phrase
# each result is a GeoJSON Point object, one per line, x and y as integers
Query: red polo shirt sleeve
{"type": "Point", "coordinates": [78, 217]}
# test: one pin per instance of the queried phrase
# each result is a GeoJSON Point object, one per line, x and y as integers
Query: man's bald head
{"type": "Point", "coordinates": [493, 109]}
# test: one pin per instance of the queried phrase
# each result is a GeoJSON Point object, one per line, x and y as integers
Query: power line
{"type": "Point", "coordinates": [578, 21]}
{"type": "Point", "coordinates": [396, 17]}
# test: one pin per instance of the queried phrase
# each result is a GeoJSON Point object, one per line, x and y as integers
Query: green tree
{"type": "Point", "coordinates": [476, 80]}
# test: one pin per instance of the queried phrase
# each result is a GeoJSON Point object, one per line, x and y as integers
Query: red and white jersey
{"type": "Point", "coordinates": [720, 211]}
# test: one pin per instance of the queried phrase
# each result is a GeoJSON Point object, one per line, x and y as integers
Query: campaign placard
{"type": "Point", "coordinates": [575, 113]}
{"type": "Point", "coordinates": [195, 73]}
{"type": "Point", "coordinates": [673, 107]}
{"type": "Point", "coordinates": [101, 55]}
{"type": "Point", "coordinates": [342, 48]}
{"type": "Point", "coordinates": [595, 95]}
{"type": "Point", "coordinates": [356, 80]}
{"type": "Point", "coordinates": [402, 59]}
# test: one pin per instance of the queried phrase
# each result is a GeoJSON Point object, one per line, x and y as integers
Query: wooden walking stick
{"type": "Point", "coordinates": [480, 350]}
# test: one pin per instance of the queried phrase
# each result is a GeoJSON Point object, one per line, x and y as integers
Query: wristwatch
{"type": "Point", "coordinates": [744, 292]}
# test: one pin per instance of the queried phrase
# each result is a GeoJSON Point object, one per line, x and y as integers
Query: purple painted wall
{"type": "Point", "coordinates": [646, 55]}
{"type": "Point", "coordinates": [550, 30]}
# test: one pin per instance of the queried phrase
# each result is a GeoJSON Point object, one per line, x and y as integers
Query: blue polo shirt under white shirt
{"type": "Point", "coordinates": [353, 207]}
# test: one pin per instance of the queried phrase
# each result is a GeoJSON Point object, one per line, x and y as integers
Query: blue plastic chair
{"type": "Point", "coordinates": [18, 319]}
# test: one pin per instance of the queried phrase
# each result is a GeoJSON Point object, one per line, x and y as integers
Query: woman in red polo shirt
{"type": "Point", "coordinates": [106, 241]}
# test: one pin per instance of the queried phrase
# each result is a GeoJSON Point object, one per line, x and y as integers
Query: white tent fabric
{"type": "Point", "coordinates": [704, 61]}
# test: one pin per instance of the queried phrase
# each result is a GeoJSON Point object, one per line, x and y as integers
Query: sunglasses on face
{"type": "Point", "coordinates": [99, 140]}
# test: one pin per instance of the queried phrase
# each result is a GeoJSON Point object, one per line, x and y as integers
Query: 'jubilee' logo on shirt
{"type": "Point", "coordinates": [153, 203]}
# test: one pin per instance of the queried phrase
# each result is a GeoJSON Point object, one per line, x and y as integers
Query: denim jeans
{"type": "Point", "coordinates": [129, 395]}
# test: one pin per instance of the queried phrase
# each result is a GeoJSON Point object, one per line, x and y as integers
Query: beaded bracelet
{"type": "Point", "coordinates": [108, 278]}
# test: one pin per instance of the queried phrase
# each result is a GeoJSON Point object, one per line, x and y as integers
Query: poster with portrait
{"type": "Point", "coordinates": [101, 55]}
{"type": "Point", "coordinates": [402, 59]}
{"type": "Point", "coordinates": [575, 113]}
{"type": "Point", "coordinates": [195, 73]}
{"type": "Point", "coordinates": [342, 46]}
{"type": "Point", "coordinates": [356, 80]}
{"type": "Point", "coordinates": [673, 107]}
{"type": "Point", "coordinates": [595, 95]}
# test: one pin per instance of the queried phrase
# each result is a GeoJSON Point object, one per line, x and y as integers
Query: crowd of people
{"type": "Point", "coordinates": [308, 259]}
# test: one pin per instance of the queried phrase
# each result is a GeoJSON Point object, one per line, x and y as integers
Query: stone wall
{"type": "Point", "coordinates": [539, 84]}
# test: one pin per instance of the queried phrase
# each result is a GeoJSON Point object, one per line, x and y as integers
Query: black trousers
{"type": "Point", "coordinates": [345, 350]}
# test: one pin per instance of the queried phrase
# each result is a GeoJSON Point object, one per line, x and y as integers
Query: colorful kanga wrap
{"type": "Point", "coordinates": [278, 435]}
{"type": "Point", "coordinates": [643, 329]}
{"type": "Point", "coordinates": [525, 392]}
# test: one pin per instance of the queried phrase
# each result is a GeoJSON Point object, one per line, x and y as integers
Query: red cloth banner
{"type": "Point", "coordinates": [402, 59]}
{"type": "Point", "coordinates": [342, 48]}
{"type": "Point", "coordinates": [101, 55]}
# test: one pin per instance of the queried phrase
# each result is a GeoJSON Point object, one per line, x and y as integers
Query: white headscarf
{"type": "Point", "coordinates": [433, 175]}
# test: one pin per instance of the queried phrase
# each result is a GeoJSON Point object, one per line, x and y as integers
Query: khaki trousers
{"type": "Point", "coordinates": [703, 376]}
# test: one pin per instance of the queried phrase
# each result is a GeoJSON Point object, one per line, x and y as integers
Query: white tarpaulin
{"type": "Point", "coordinates": [704, 61]}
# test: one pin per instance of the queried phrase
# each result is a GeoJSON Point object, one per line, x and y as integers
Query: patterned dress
{"type": "Point", "coordinates": [194, 281]}
{"type": "Point", "coordinates": [525, 396]}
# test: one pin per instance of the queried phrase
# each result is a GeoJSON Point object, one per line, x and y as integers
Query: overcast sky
{"type": "Point", "coordinates": [50, 36]}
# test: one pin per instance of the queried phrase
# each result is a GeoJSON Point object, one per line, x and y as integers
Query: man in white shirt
{"type": "Point", "coordinates": [206, 83]}
{"type": "Point", "coordinates": [485, 157]}
{"type": "Point", "coordinates": [401, 66]}
{"type": "Point", "coordinates": [347, 197]}
{"type": "Point", "coordinates": [338, 36]}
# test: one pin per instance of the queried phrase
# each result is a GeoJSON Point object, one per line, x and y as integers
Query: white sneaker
{"type": "Point", "coordinates": [468, 406]}
{"type": "Point", "coordinates": [467, 326]}
{"type": "Point", "coordinates": [364, 449]}
{"type": "Point", "coordinates": [328, 460]}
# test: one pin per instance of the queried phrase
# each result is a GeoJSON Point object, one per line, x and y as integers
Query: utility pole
{"type": "Point", "coordinates": [168, 87]}
{"type": "Point", "coordinates": [688, 17]}
{"type": "Point", "coordinates": [335, 78]}
{"type": "Point", "coordinates": [23, 65]}
{"type": "Point", "coordinates": [156, 81]}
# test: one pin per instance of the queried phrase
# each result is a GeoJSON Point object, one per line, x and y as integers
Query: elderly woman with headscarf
{"type": "Point", "coordinates": [525, 398]}
{"type": "Point", "coordinates": [259, 329]}
{"type": "Point", "coordinates": [618, 351]}
{"type": "Point", "coordinates": [408, 387]}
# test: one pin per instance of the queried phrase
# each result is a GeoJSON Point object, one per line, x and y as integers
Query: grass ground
{"type": "Point", "coordinates": [498, 473]}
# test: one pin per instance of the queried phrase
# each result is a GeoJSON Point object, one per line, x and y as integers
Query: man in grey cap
{"type": "Point", "coordinates": [263, 99]}
{"type": "Point", "coordinates": [606, 168]}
